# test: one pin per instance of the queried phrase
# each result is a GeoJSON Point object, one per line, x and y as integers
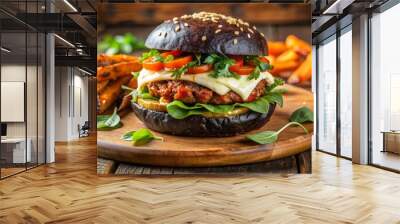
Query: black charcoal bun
{"type": "Point", "coordinates": [208, 33]}
{"type": "Point", "coordinates": [201, 126]}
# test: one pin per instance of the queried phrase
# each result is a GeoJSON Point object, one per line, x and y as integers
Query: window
{"type": "Point", "coordinates": [346, 95]}
{"type": "Point", "coordinates": [385, 89]}
{"type": "Point", "coordinates": [327, 96]}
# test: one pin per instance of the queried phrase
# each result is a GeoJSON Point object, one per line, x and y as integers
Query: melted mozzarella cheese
{"type": "Point", "coordinates": [242, 86]}
{"type": "Point", "coordinates": [222, 85]}
{"type": "Point", "coordinates": [203, 79]}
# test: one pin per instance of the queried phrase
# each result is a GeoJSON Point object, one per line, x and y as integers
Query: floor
{"type": "Point", "coordinates": [387, 159]}
{"type": "Point", "coordinates": [69, 191]}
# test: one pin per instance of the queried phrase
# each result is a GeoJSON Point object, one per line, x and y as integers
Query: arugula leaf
{"type": "Point", "coordinates": [277, 82]}
{"type": "Point", "coordinates": [260, 66]}
{"type": "Point", "coordinates": [135, 74]}
{"type": "Point", "coordinates": [168, 58]}
{"type": "Point", "coordinates": [108, 122]}
{"type": "Point", "coordinates": [221, 66]}
{"type": "Point", "coordinates": [149, 54]}
{"type": "Point", "coordinates": [302, 115]}
{"type": "Point", "coordinates": [177, 73]}
{"type": "Point", "coordinates": [143, 136]}
{"type": "Point", "coordinates": [267, 137]}
{"type": "Point", "coordinates": [198, 58]}
{"type": "Point", "coordinates": [255, 74]}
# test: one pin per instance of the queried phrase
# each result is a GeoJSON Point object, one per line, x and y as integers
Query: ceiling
{"type": "Point", "coordinates": [72, 20]}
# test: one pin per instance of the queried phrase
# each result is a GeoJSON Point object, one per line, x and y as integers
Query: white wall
{"type": "Point", "coordinates": [71, 102]}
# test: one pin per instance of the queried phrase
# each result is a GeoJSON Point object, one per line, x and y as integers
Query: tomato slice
{"type": "Point", "coordinates": [200, 69]}
{"type": "Point", "coordinates": [149, 64]}
{"type": "Point", "coordinates": [264, 59]}
{"type": "Point", "coordinates": [238, 60]}
{"type": "Point", "coordinates": [177, 63]}
{"type": "Point", "coordinates": [242, 70]}
{"type": "Point", "coordinates": [174, 53]}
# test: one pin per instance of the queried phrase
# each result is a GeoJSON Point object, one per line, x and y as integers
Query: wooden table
{"type": "Point", "coordinates": [291, 153]}
{"type": "Point", "coordinates": [299, 163]}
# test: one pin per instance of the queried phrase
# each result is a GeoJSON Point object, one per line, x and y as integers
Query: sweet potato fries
{"type": "Point", "coordinates": [113, 72]}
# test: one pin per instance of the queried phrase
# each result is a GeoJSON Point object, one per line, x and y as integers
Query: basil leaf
{"type": "Point", "coordinates": [217, 108]}
{"type": "Point", "coordinates": [143, 136]}
{"type": "Point", "coordinates": [178, 110]}
{"type": "Point", "coordinates": [265, 137]}
{"type": "Point", "coordinates": [108, 122]}
{"type": "Point", "coordinates": [261, 105]}
{"type": "Point", "coordinates": [268, 137]}
{"type": "Point", "coordinates": [128, 136]}
{"type": "Point", "coordinates": [274, 97]}
{"type": "Point", "coordinates": [302, 115]}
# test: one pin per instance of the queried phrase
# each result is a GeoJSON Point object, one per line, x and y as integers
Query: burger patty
{"type": "Point", "coordinates": [190, 92]}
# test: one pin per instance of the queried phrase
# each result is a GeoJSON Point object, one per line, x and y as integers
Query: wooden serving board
{"type": "Point", "coordinates": [176, 151]}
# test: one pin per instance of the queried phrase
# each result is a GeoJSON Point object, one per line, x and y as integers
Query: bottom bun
{"type": "Point", "coordinates": [201, 126]}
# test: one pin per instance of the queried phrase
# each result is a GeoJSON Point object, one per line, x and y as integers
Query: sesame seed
{"type": "Point", "coordinates": [175, 18]}
{"type": "Point", "coordinates": [185, 24]}
{"type": "Point", "coordinates": [177, 28]}
{"type": "Point", "coordinates": [217, 31]}
{"type": "Point", "coordinates": [220, 26]}
{"type": "Point", "coordinates": [254, 28]}
{"type": "Point", "coordinates": [165, 34]}
{"type": "Point", "coordinates": [235, 41]}
{"type": "Point", "coordinates": [203, 38]}
{"type": "Point", "coordinates": [250, 30]}
{"type": "Point", "coordinates": [176, 22]}
{"type": "Point", "coordinates": [248, 35]}
{"type": "Point", "coordinates": [237, 33]}
{"type": "Point", "coordinates": [241, 29]}
{"type": "Point", "coordinates": [246, 24]}
{"type": "Point", "coordinates": [262, 34]}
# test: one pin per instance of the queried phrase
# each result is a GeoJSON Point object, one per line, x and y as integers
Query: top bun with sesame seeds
{"type": "Point", "coordinates": [208, 33]}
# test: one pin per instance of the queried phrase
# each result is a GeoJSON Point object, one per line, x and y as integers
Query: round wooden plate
{"type": "Point", "coordinates": [177, 151]}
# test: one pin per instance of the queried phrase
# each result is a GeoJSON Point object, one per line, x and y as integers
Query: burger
{"type": "Point", "coordinates": [205, 74]}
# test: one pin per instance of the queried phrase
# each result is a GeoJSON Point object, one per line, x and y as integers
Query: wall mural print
{"type": "Point", "coordinates": [204, 88]}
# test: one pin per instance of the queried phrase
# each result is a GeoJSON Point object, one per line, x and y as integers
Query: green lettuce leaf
{"type": "Point", "coordinates": [178, 110]}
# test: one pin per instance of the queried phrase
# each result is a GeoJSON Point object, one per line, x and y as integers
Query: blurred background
{"type": "Point", "coordinates": [122, 29]}
{"type": "Point", "coordinates": [276, 21]}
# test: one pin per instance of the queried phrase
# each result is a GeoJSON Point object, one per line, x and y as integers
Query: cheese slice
{"type": "Point", "coordinates": [242, 86]}
{"type": "Point", "coordinates": [221, 85]}
{"type": "Point", "coordinates": [202, 79]}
